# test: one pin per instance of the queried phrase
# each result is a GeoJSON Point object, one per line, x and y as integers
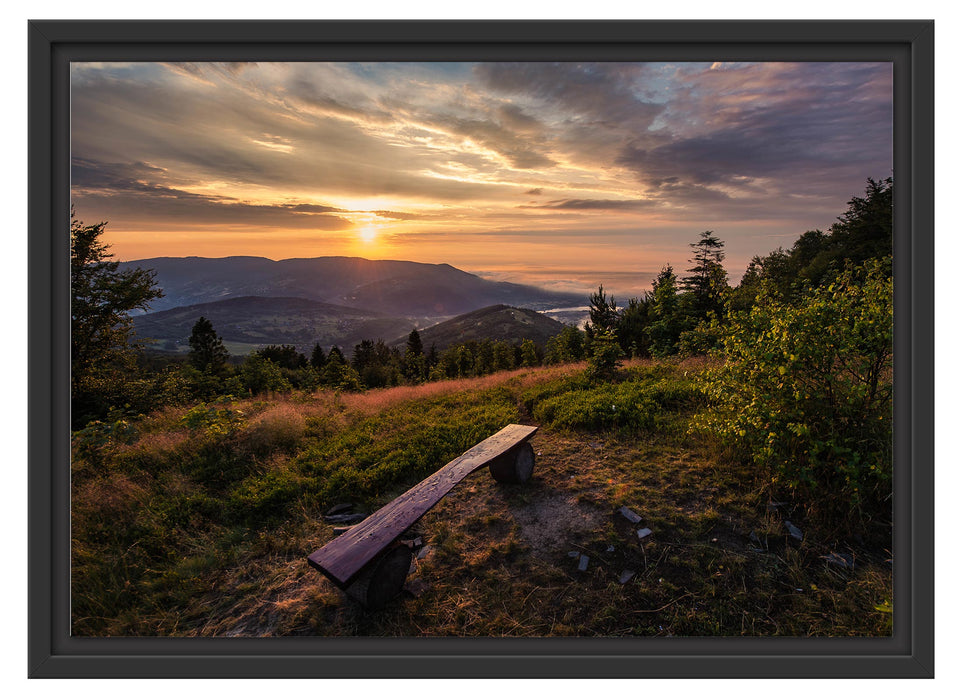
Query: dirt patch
{"type": "Point", "coordinates": [555, 521]}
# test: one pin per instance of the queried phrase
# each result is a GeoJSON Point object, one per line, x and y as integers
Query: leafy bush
{"type": "Point", "coordinates": [605, 355]}
{"type": "Point", "coordinates": [216, 419]}
{"type": "Point", "coordinates": [259, 374]}
{"type": "Point", "coordinates": [641, 402]}
{"type": "Point", "coordinates": [89, 442]}
{"type": "Point", "coordinates": [807, 390]}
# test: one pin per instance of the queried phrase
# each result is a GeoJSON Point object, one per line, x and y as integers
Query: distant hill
{"type": "Point", "coordinates": [498, 322]}
{"type": "Point", "coordinates": [390, 287]}
{"type": "Point", "coordinates": [272, 321]}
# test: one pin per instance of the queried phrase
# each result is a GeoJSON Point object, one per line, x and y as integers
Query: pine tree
{"type": "Point", "coordinates": [603, 314]}
{"type": "Point", "coordinates": [414, 363]}
{"type": "Point", "coordinates": [667, 323]}
{"type": "Point", "coordinates": [708, 282]}
{"type": "Point", "coordinates": [318, 357]}
{"type": "Point", "coordinates": [530, 357]}
{"type": "Point", "coordinates": [207, 352]}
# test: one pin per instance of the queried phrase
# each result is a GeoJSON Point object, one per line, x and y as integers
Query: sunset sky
{"type": "Point", "coordinates": [565, 175]}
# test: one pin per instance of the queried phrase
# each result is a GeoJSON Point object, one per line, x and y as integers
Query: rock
{"type": "Point", "coordinates": [645, 532]}
{"type": "Point", "coordinates": [416, 587]}
{"type": "Point", "coordinates": [846, 561]}
{"type": "Point", "coordinates": [424, 552]}
{"type": "Point", "coordinates": [626, 576]}
{"type": "Point", "coordinates": [630, 515]}
{"type": "Point", "coordinates": [345, 518]}
{"type": "Point", "coordinates": [340, 509]}
{"type": "Point", "coordinates": [583, 562]}
{"type": "Point", "coordinates": [794, 531]}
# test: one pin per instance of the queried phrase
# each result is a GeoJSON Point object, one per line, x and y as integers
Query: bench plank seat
{"type": "Point", "coordinates": [342, 558]}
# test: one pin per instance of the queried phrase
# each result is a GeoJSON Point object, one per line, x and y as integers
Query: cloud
{"type": "Point", "coordinates": [595, 204]}
{"type": "Point", "coordinates": [129, 192]}
{"type": "Point", "coordinates": [602, 92]}
{"type": "Point", "coordinates": [312, 144]}
{"type": "Point", "coordinates": [398, 215]}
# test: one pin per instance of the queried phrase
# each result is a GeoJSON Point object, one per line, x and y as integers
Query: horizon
{"type": "Point", "coordinates": [559, 175]}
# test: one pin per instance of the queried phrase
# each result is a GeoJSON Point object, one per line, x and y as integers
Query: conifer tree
{"type": "Point", "coordinates": [708, 282]}
{"type": "Point", "coordinates": [318, 357]}
{"type": "Point", "coordinates": [207, 352]}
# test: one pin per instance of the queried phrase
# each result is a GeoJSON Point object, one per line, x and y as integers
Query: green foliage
{"type": "Point", "coordinates": [179, 385]}
{"type": "Point", "coordinates": [376, 364]}
{"type": "Point", "coordinates": [529, 357]}
{"type": "Point", "coordinates": [259, 374]}
{"type": "Point", "coordinates": [317, 357]}
{"type": "Point", "coordinates": [401, 446]}
{"type": "Point", "coordinates": [101, 332]}
{"type": "Point", "coordinates": [642, 401]}
{"type": "Point", "coordinates": [667, 317]}
{"type": "Point", "coordinates": [862, 233]}
{"type": "Point", "coordinates": [566, 346]}
{"type": "Point", "coordinates": [707, 284]}
{"type": "Point", "coordinates": [336, 374]}
{"type": "Point", "coordinates": [89, 442]}
{"type": "Point", "coordinates": [705, 338]}
{"type": "Point", "coordinates": [605, 356]}
{"type": "Point", "coordinates": [216, 419]}
{"type": "Point", "coordinates": [207, 352]}
{"type": "Point", "coordinates": [631, 328]}
{"type": "Point", "coordinates": [603, 315]}
{"type": "Point", "coordinates": [414, 361]}
{"type": "Point", "coordinates": [285, 356]}
{"type": "Point", "coordinates": [806, 390]}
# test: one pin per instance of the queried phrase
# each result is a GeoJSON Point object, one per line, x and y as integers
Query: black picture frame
{"type": "Point", "coordinates": [52, 653]}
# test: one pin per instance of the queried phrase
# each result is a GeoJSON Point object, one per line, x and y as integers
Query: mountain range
{"type": "Point", "coordinates": [255, 301]}
{"type": "Point", "coordinates": [396, 287]}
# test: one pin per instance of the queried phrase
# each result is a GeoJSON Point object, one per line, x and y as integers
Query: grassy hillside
{"type": "Point", "coordinates": [498, 322]}
{"type": "Point", "coordinates": [198, 521]}
{"type": "Point", "coordinates": [260, 321]}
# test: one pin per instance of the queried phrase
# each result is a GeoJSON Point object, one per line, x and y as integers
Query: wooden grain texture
{"type": "Point", "coordinates": [342, 558]}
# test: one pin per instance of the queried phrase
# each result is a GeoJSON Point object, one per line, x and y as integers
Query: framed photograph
{"type": "Point", "coordinates": [669, 283]}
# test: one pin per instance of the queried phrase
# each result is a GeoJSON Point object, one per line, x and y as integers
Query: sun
{"type": "Point", "coordinates": [368, 234]}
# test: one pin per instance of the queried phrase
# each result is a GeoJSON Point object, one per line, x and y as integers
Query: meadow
{"type": "Point", "coordinates": [197, 520]}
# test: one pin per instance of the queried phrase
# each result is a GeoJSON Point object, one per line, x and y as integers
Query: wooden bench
{"type": "Point", "coordinates": [370, 564]}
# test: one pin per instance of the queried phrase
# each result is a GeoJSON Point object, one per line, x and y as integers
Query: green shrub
{"type": "Point", "coordinates": [259, 374]}
{"type": "Point", "coordinates": [807, 391]}
{"type": "Point", "coordinates": [639, 403]}
{"type": "Point", "coordinates": [216, 419]}
{"type": "Point", "coordinates": [605, 355]}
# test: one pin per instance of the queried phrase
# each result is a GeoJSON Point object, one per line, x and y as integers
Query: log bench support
{"type": "Point", "coordinates": [370, 564]}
